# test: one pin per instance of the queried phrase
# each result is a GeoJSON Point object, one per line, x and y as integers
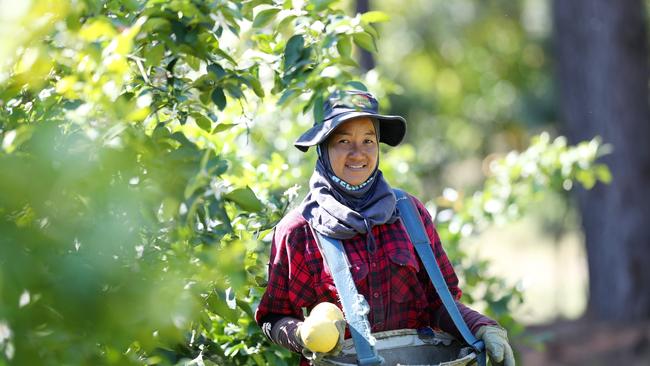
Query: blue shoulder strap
{"type": "Point", "coordinates": [414, 227]}
{"type": "Point", "coordinates": [354, 304]}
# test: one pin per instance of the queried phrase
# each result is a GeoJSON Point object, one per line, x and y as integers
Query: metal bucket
{"type": "Point", "coordinates": [407, 347]}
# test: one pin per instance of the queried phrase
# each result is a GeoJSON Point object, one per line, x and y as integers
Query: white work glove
{"type": "Point", "coordinates": [496, 344]}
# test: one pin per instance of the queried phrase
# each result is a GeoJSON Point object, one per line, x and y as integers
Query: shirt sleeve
{"type": "Point", "coordinates": [473, 319]}
{"type": "Point", "coordinates": [276, 297]}
{"type": "Point", "coordinates": [290, 283]}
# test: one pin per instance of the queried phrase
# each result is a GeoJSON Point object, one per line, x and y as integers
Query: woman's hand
{"type": "Point", "coordinates": [496, 345]}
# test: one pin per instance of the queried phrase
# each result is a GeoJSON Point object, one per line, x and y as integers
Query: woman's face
{"type": "Point", "coordinates": [353, 150]}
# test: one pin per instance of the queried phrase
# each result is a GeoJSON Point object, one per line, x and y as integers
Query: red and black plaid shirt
{"type": "Point", "coordinates": [392, 279]}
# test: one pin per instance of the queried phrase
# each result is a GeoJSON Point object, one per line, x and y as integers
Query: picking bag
{"type": "Point", "coordinates": [409, 348]}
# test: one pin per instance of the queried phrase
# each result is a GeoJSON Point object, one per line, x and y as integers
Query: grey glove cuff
{"type": "Point", "coordinates": [496, 329]}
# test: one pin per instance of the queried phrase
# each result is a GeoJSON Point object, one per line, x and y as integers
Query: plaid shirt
{"type": "Point", "coordinates": [392, 279]}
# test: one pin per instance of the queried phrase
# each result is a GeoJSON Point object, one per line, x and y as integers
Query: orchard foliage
{"type": "Point", "coordinates": [131, 222]}
{"type": "Point", "coordinates": [514, 183]}
{"type": "Point", "coordinates": [140, 172]}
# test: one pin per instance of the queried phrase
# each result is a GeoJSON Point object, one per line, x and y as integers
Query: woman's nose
{"type": "Point", "coordinates": [355, 149]}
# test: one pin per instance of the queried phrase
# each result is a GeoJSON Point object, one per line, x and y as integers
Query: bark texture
{"type": "Point", "coordinates": [366, 60]}
{"type": "Point", "coordinates": [602, 70]}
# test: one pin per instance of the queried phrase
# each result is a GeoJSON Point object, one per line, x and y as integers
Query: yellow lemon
{"type": "Point", "coordinates": [327, 310]}
{"type": "Point", "coordinates": [319, 334]}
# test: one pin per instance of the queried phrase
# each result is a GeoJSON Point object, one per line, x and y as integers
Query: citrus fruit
{"type": "Point", "coordinates": [327, 310]}
{"type": "Point", "coordinates": [319, 334]}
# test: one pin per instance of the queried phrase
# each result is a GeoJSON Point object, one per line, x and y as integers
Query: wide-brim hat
{"type": "Point", "coordinates": [344, 105]}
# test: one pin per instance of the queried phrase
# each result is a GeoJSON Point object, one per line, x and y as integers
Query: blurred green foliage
{"type": "Point", "coordinates": [146, 154]}
{"type": "Point", "coordinates": [473, 78]}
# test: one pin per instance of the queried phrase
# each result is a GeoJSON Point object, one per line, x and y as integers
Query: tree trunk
{"type": "Point", "coordinates": [366, 61]}
{"type": "Point", "coordinates": [602, 71]}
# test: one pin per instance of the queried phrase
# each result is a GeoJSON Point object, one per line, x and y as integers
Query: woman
{"type": "Point", "coordinates": [349, 200]}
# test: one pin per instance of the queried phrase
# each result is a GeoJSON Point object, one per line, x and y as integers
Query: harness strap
{"type": "Point", "coordinates": [415, 229]}
{"type": "Point", "coordinates": [354, 304]}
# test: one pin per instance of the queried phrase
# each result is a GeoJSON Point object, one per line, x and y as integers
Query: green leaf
{"type": "Point", "coordinates": [204, 97]}
{"type": "Point", "coordinates": [349, 61]}
{"type": "Point", "coordinates": [202, 121]}
{"type": "Point", "coordinates": [217, 166]}
{"type": "Point", "coordinates": [286, 22]}
{"type": "Point", "coordinates": [587, 178]}
{"type": "Point", "coordinates": [196, 182]}
{"type": "Point", "coordinates": [370, 29]}
{"type": "Point", "coordinates": [320, 5]}
{"type": "Point", "coordinates": [318, 108]}
{"type": "Point", "coordinates": [218, 304]}
{"type": "Point", "coordinates": [218, 98]}
{"type": "Point", "coordinates": [344, 46]}
{"type": "Point", "coordinates": [154, 54]}
{"type": "Point", "coordinates": [292, 51]}
{"type": "Point", "coordinates": [154, 24]}
{"type": "Point", "coordinates": [217, 70]}
{"type": "Point", "coordinates": [205, 82]}
{"type": "Point", "coordinates": [226, 56]}
{"type": "Point", "coordinates": [96, 29]}
{"type": "Point", "coordinates": [223, 127]}
{"type": "Point", "coordinates": [193, 62]}
{"type": "Point", "coordinates": [357, 85]}
{"type": "Point", "coordinates": [603, 173]}
{"type": "Point", "coordinates": [234, 91]}
{"type": "Point", "coordinates": [169, 208]}
{"type": "Point", "coordinates": [246, 308]}
{"type": "Point", "coordinates": [365, 41]}
{"type": "Point", "coordinates": [286, 96]}
{"type": "Point", "coordinates": [256, 85]}
{"type": "Point", "coordinates": [246, 199]}
{"type": "Point", "coordinates": [375, 17]}
{"type": "Point", "coordinates": [264, 17]}
{"type": "Point", "coordinates": [252, 79]}
{"type": "Point", "coordinates": [257, 88]}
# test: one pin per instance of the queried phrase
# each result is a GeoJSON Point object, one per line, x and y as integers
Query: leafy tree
{"type": "Point", "coordinates": [131, 217]}
{"type": "Point", "coordinates": [473, 79]}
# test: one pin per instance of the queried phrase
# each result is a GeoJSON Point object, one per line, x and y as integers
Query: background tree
{"type": "Point", "coordinates": [602, 72]}
{"type": "Point", "coordinates": [366, 61]}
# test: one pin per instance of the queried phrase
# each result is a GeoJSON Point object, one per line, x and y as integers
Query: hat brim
{"type": "Point", "coordinates": [391, 129]}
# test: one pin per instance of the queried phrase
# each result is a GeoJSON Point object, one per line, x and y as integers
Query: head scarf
{"type": "Point", "coordinates": [337, 209]}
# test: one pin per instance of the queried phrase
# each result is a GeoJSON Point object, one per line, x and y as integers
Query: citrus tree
{"type": "Point", "coordinates": [131, 211]}
{"type": "Point", "coordinates": [143, 165]}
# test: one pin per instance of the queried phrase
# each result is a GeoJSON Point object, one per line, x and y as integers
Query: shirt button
{"type": "Point", "coordinates": [373, 264]}
{"type": "Point", "coordinates": [375, 295]}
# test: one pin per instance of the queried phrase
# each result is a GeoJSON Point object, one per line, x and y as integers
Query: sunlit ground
{"type": "Point", "coordinates": [553, 275]}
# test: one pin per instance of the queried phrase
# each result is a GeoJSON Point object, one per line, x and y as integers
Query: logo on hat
{"type": "Point", "coordinates": [352, 100]}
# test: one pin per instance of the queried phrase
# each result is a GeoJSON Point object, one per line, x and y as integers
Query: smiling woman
{"type": "Point", "coordinates": [350, 201]}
